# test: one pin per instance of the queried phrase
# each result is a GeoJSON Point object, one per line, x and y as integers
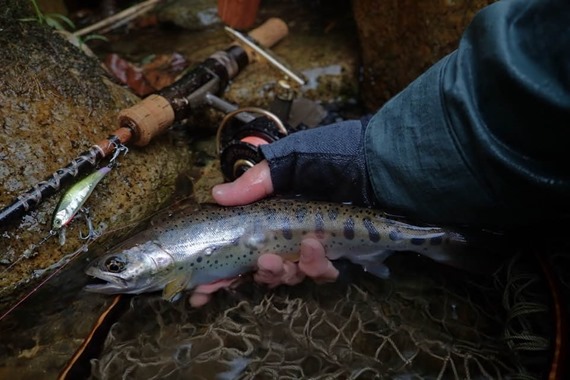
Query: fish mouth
{"type": "Point", "coordinates": [104, 283]}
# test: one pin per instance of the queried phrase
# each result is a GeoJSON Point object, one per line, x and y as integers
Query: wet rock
{"type": "Point", "coordinates": [191, 14]}
{"type": "Point", "coordinates": [55, 102]}
{"type": "Point", "coordinates": [400, 39]}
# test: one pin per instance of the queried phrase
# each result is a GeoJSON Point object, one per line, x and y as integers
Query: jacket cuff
{"type": "Point", "coordinates": [325, 163]}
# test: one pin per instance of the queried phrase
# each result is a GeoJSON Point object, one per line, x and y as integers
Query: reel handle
{"type": "Point", "coordinates": [268, 34]}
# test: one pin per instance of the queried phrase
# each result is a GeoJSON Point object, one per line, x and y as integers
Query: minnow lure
{"type": "Point", "coordinates": [186, 248]}
{"type": "Point", "coordinates": [73, 200]}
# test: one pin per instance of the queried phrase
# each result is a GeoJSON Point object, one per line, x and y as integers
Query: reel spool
{"type": "Point", "coordinates": [238, 142]}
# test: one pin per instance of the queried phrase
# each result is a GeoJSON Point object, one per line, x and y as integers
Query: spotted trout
{"type": "Point", "coordinates": [195, 246]}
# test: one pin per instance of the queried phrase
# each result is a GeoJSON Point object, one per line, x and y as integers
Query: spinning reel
{"type": "Point", "coordinates": [238, 143]}
{"type": "Point", "coordinates": [242, 131]}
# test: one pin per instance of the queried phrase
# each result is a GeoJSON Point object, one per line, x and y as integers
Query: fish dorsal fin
{"type": "Point", "coordinates": [174, 288]}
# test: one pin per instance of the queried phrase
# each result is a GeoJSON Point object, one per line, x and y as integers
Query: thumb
{"type": "Point", "coordinates": [253, 185]}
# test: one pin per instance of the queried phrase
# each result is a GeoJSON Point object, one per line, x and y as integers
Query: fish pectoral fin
{"type": "Point", "coordinates": [173, 290]}
{"type": "Point", "coordinates": [291, 256]}
{"type": "Point", "coordinates": [373, 263]}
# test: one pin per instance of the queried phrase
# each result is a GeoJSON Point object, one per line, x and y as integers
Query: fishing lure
{"type": "Point", "coordinates": [71, 203]}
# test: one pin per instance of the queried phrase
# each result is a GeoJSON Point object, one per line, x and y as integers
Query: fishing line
{"type": "Point", "coordinates": [71, 256]}
{"type": "Point", "coordinates": [30, 254]}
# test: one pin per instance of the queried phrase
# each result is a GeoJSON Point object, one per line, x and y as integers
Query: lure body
{"type": "Point", "coordinates": [74, 199]}
{"type": "Point", "coordinates": [191, 247]}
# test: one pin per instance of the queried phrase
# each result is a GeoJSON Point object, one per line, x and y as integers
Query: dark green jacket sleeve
{"type": "Point", "coordinates": [483, 136]}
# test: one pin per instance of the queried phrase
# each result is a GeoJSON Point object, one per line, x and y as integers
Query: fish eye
{"type": "Point", "coordinates": [115, 264]}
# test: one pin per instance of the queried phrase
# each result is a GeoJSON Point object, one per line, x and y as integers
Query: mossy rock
{"type": "Point", "coordinates": [55, 102]}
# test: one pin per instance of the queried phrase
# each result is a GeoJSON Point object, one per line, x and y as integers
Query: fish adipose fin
{"type": "Point", "coordinates": [173, 290]}
{"type": "Point", "coordinates": [373, 263]}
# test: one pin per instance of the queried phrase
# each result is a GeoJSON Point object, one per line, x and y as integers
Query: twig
{"type": "Point", "coordinates": [120, 18]}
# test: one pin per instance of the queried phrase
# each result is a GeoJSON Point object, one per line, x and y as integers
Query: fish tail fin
{"type": "Point", "coordinates": [476, 251]}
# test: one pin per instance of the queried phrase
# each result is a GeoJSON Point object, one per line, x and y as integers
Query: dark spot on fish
{"type": "Point", "coordinates": [436, 240]}
{"type": "Point", "coordinates": [417, 241]}
{"type": "Point", "coordinates": [333, 234]}
{"type": "Point", "coordinates": [199, 259]}
{"type": "Point", "coordinates": [287, 232]}
{"type": "Point", "coordinates": [349, 229]}
{"type": "Point", "coordinates": [180, 268]}
{"type": "Point", "coordinates": [333, 213]}
{"type": "Point", "coordinates": [251, 253]}
{"type": "Point", "coordinates": [300, 214]}
{"type": "Point", "coordinates": [373, 233]}
{"type": "Point", "coordinates": [191, 264]}
{"type": "Point", "coordinates": [394, 235]}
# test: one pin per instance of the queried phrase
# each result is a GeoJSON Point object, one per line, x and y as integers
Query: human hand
{"type": "Point", "coordinates": [272, 270]}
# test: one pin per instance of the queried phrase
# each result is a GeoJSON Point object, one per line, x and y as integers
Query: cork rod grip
{"type": "Point", "coordinates": [267, 35]}
{"type": "Point", "coordinates": [148, 118]}
{"type": "Point", "coordinates": [154, 114]}
{"type": "Point", "coordinates": [270, 32]}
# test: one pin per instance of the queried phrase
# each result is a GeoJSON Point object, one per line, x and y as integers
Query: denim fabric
{"type": "Point", "coordinates": [325, 163]}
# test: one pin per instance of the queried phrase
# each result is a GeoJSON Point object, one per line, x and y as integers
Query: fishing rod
{"type": "Point", "coordinates": [139, 124]}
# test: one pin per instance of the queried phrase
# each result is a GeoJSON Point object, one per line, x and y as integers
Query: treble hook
{"type": "Point", "coordinates": [91, 233]}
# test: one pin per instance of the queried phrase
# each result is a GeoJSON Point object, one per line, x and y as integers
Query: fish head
{"type": "Point", "coordinates": [141, 268]}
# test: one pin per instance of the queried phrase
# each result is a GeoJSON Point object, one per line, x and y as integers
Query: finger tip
{"type": "Point", "coordinates": [220, 193]}
{"type": "Point", "coordinates": [253, 185]}
{"type": "Point", "coordinates": [199, 299]}
{"type": "Point", "coordinates": [270, 262]}
{"type": "Point", "coordinates": [311, 249]}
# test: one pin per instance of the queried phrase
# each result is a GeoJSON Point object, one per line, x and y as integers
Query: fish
{"type": "Point", "coordinates": [199, 245]}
